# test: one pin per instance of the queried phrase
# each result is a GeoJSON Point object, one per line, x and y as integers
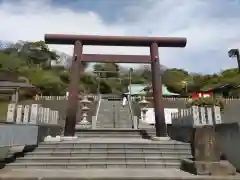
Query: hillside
{"type": "Point", "coordinates": [33, 63]}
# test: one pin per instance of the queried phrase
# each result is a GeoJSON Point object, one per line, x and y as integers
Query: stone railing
{"type": "Point", "coordinates": [50, 98]}
{"type": "Point", "coordinates": [94, 97]}
{"type": "Point", "coordinates": [197, 116]}
{"type": "Point", "coordinates": [31, 114]}
{"type": "Point", "coordinates": [225, 100]}
{"type": "Point", "coordinates": [140, 97]}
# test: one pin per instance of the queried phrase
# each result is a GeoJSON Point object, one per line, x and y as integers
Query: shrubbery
{"type": "Point", "coordinates": [206, 101]}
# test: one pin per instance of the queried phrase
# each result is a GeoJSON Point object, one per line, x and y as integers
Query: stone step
{"type": "Point", "coordinates": [142, 146]}
{"type": "Point", "coordinates": [107, 174]}
{"type": "Point", "coordinates": [122, 122]}
{"type": "Point", "coordinates": [116, 123]}
{"type": "Point", "coordinates": [76, 165]}
{"type": "Point", "coordinates": [108, 154]}
{"type": "Point", "coordinates": [108, 136]}
{"type": "Point", "coordinates": [109, 131]}
{"type": "Point", "coordinates": [111, 125]}
{"type": "Point", "coordinates": [111, 111]}
{"type": "Point", "coordinates": [113, 146]}
{"type": "Point", "coordinates": [65, 160]}
{"type": "Point", "coordinates": [96, 150]}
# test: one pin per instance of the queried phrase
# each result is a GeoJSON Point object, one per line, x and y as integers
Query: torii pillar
{"type": "Point", "coordinates": [152, 42]}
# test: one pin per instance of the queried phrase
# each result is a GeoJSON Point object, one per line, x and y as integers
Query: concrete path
{"type": "Point", "coordinates": [107, 174]}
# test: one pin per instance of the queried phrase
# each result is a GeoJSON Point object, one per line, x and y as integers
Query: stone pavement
{"type": "Point", "coordinates": [109, 174]}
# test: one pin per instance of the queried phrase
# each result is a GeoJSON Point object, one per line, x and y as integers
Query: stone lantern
{"type": "Point", "coordinates": [84, 112]}
{"type": "Point", "coordinates": [143, 108]}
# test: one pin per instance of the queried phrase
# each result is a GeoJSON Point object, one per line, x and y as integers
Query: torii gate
{"type": "Point", "coordinates": [80, 40]}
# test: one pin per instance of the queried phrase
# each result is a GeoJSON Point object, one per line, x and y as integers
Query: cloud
{"type": "Point", "coordinates": [210, 26]}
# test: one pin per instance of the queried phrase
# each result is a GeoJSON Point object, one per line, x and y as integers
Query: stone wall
{"type": "Point", "coordinates": [19, 138]}
{"type": "Point", "coordinates": [26, 134]}
{"type": "Point", "coordinates": [231, 111]}
{"type": "Point", "coordinates": [187, 121]}
{"type": "Point", "coordinates": [228, 138]}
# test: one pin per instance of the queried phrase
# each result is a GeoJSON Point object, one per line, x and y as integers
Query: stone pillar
{"type": "Point", "coordinates": [207, 155]}
{"type": "Point", "coordinates": [73, 90]}
{"type": "Point", "coordinates": [57, 117]}
{"type": "Point", "coordinates": [217, 115]}
{"type": "Point", "coordinates": [161, 130]}
{"type": "Point", "coordinates": [40, 115]}
{"type": "Point", "coordinates": [19, 114]}
{"type": "Point", "coordinates": [11, 113]}
{"type": "Point", "coordinates": [205, 144]}
{"type": "Point", "coordinates": [26, 114]}
{"type": "Point", "coordinates": [34, 113]}
{"type": "Point", "coordinates": [15, 96]}
{"type": "Point", "coordinates": [210, 116]}
{"type": "Point", "coordinates": [46, 115]}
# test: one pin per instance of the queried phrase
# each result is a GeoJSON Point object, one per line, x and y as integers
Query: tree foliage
{"type": "Point", "coordinates": [32, 63]}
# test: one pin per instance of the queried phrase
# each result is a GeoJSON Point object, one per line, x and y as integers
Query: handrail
{"type": "Point", "coordinates": [98, 106]}
{"type": "Point", "coordinates": [130, 108]}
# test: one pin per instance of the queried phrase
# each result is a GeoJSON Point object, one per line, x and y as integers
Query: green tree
{"type": "Point", "coordinates": [106, 70]}
{"type": "Point", "coordinates": [174, 78]}
{"type": "Point", "coordinates": [11, 63]}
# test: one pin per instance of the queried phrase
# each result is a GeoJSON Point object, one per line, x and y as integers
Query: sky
{"type": "Point", "coordinates": [211, 27]}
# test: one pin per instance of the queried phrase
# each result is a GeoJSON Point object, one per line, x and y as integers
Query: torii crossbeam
{"type": "Point", "coordinates": [80, 40]}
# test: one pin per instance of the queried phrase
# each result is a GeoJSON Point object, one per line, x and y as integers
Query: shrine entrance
{"type": "Point", "coordinates": [78, 57]}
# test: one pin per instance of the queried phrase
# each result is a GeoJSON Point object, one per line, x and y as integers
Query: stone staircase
{"type": "Point", "coordinates": [104, 153]}
{"type": "Point", "coordinates": [110, 133]}
{"type": "Point", "coordinates": [113, 115]}
{"type": "Point", "coordinates": [105, 158]}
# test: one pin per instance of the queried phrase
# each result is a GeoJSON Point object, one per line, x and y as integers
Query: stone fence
{"type": "Point", "coordinates": [184, 99]}
{"type": "Point", "coordinates": [197, 116]}
{"type": "Point", "coordinates": [94, 97]}
{"type": "Point", "coordinates": [31, 114]}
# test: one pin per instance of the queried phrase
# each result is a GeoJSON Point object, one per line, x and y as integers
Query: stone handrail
{"type": "Point", "coordinates": [98, 106]}
{"type": "Point", "coordinates": [131, 112]}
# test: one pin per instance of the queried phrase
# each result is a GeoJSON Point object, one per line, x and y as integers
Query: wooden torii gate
{"type": "Point", "coordinates": [78, 57]}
